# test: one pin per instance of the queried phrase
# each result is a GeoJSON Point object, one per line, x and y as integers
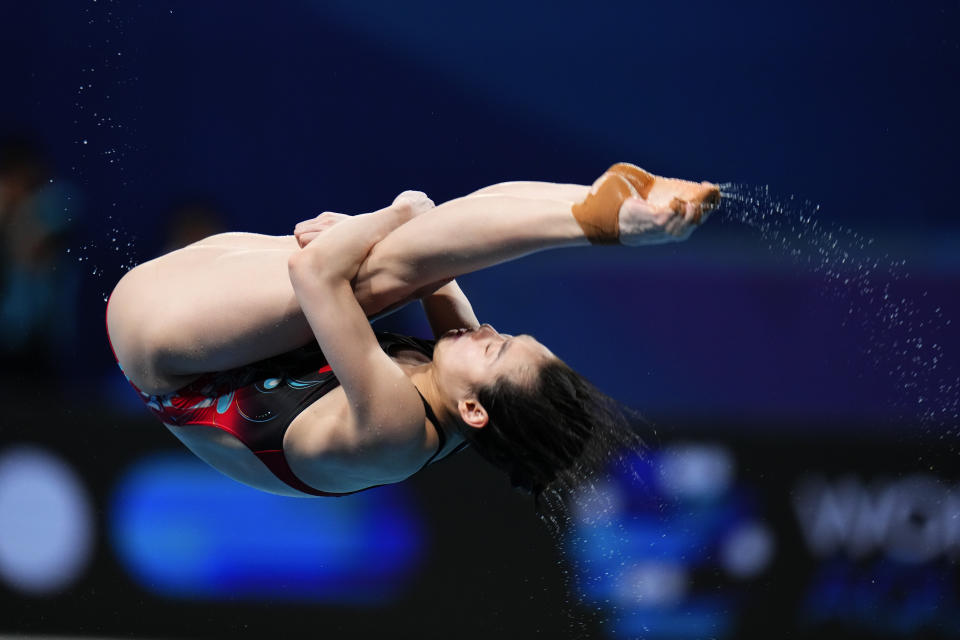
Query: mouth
{"type": "Point", "coordinates": [455, 333]}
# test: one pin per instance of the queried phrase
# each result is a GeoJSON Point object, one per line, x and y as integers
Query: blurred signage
{"type": "Point", "coordinates": [817, 533]}
{"type": "Point", "coordinates": [704, 538]}
{"type": "Point", "coordinates": [183, 530]}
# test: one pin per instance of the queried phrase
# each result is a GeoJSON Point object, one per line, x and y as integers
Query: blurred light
{"type": "Point", "coordinates": [46, 523]}
{"type": "Point", "coordinates": [639, 547]}
{"type": "Point", "coordinates": [184, 530]}
{"type": "Point", "coordinates": [695, 471]}
{"type": "Point", "coordinates": [599, 502]}
{"type": "Point", "coordinates": [653, 584]}
{"type": "Point", "coordinates": [747, 550]}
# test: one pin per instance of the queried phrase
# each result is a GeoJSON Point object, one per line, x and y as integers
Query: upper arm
{"type": "Point", "coordinates": [379, 393]}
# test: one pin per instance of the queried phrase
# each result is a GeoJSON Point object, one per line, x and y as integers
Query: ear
{"type": "Point", "coordinates": [472, 413]}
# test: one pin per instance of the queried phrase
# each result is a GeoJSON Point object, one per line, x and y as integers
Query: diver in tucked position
{"type": "Point", "coordinates": [268, 339]}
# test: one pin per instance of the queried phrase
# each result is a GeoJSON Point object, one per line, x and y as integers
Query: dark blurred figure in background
{"type": "Point", "coordinates": [193, 219]}
{"type": "Point", "coordinates": [39, 279]}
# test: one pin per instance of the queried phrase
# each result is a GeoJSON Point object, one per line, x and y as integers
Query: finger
{"type": "Point", "coordinates": [302, 228]}
{"type": "Point", "coordinates": [323, 221]}
{"type": "Point", "coordinates": [303, 224]}
{"type": "Point", "coordinates": [313, 225]}
{"type": "Point", "coordinates": [326, 215]}
{"type": "Point", "coordinates": [676, 227]}
{"type": "Point", "coordinates": [688, 212]}
{"type": "Point", "coordinates": [306, 238]}
{"type": "Point", "coordinates": [678, 222]}
{"type": "Point", "coordinates": [710, 202]}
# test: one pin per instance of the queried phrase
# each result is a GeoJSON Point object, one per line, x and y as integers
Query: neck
{"type": "Point", "coordinates": [424, 377]}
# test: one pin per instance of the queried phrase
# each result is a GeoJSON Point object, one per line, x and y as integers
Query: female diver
{"type": "Point", "coordinates": [268, 339]}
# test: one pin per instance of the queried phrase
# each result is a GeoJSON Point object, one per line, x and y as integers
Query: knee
{"type": "Point", "coordinates": [383, 281]}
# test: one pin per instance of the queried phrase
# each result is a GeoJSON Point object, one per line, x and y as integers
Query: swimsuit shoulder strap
{"type": "Point", "coordinates": [432, 417]}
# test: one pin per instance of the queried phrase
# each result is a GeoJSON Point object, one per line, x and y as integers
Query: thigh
{"type": "Point", "coordinates": [537, 190]}
{"type": "Point", "coordinates": [214, 305]}
{"type": "Point", "coordinates": [225, 453]}
{"type": "Point", "coordinates": [242, 240]}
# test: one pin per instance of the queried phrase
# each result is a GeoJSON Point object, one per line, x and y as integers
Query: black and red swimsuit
{"type": "Point", "coordinates": [256, 403]}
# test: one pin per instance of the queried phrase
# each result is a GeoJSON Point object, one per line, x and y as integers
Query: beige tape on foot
{"type": "Point", "coordinates": [639, 179]}
{"type": "Point", "coordinates": [598, 214]}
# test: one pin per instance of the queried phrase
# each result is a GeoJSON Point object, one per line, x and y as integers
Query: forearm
{"type": "Point", "coordinates": [343, 247]}
{"type": "Point", "coordinates": [448, 308]}
{"type": "Point", "coordinates": [461, 236]}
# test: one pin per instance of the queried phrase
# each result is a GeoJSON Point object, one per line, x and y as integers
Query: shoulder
{"type": "Point", "coordinates": [334, 448]}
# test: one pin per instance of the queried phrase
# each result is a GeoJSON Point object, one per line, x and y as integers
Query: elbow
{"type": "Point", "coordinates": [308, 266]}
{"type": "Point", "coordinates": [297, 266]}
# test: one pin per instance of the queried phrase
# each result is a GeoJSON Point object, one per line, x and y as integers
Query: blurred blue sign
{"type": "Point", "coordinates": [183, 530]}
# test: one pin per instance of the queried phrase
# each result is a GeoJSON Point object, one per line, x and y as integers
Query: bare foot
{"type": "Point", "coordinates": [666, 209]}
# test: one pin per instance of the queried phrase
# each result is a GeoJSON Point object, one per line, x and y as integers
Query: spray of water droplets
{"type": "Point", "coordinates": [580, 501]}
{"type": "Point", "coordinates": [106, 76]}
{"type": "Point", "coordinates": [591, 519]}
{"type": "Point", "coordinates": [106, 83]}
{"type": "Point", "coordinates": [93, 255]}
{"type": "Point", "coordinates": [900, 335]}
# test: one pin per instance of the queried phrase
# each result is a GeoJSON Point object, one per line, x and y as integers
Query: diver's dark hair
{"type": "Point", "coordinates": [554, 433]}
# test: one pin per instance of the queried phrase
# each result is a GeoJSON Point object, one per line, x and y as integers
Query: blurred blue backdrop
{"type": "Point", "coordinates": [829, 316]}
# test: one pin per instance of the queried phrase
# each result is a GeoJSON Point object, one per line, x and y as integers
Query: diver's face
{"type": "Point", "coordinates": [469, 359]}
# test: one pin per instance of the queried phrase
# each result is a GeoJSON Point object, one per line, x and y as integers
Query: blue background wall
{"type": "Point", "coordinates": [278, 112]}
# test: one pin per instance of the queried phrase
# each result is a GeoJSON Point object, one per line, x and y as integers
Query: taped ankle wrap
{"type": "Point", "coordinates": [598, 214]}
